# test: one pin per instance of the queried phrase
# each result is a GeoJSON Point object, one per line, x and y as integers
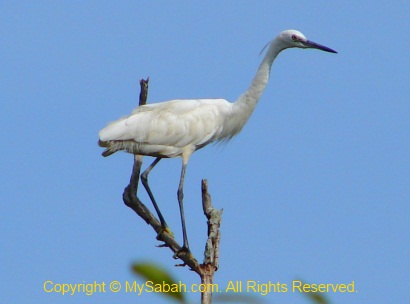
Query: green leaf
{"type": "Point", "coordinates": [317, 298]}
{"type": "Point", "coordinates": [160, 279]}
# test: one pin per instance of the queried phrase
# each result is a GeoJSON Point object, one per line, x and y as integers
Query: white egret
{"type": "Point", "coordinates": [177, 128]}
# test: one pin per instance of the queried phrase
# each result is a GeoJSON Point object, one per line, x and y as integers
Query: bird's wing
{"type": "Point", "coordinates": [174, 123]}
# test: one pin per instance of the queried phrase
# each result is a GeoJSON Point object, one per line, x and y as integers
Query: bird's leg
{"type": "Point", "coordinates": [180, 194]}
{"type": "Point", "coordinates": [144, 180]}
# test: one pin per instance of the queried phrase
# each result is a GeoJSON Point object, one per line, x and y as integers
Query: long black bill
{"type": "Point", "coordinates": [319, 46]}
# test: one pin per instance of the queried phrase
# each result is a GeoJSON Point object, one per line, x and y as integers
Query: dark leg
{"type": "Point", "coordinates": [181, 206]}
{"type": "Point", "coordinates": [144, 180]}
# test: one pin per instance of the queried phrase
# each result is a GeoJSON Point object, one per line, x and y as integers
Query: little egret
{"type": "Point", "coordinates": [180, 127]}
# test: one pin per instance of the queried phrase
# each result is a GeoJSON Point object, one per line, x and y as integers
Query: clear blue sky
{"type": "Point", "coordinates": [316, 186]}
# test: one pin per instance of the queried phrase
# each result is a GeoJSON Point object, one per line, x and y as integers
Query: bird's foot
{"type": "Point", "coordinates": [162, 231]}
{"type": "Point", "coordinates": [184, 251]}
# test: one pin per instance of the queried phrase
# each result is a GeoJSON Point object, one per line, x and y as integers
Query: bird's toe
{"type": "Point", "coordinates": [164, 230]}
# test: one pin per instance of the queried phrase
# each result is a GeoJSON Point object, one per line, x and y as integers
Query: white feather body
{"type": "Point", "coordinates": [165, 129]}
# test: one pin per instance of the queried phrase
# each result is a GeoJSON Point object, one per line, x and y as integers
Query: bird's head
{"type": "Point", "coordinates": [293, 38]}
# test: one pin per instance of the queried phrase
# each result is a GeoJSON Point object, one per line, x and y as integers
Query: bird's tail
{"type": "Point", "coordinates": [109, 148]}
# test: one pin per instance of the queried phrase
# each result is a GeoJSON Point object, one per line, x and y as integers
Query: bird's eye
{"type": "Point", "coordinates": [295, 38]}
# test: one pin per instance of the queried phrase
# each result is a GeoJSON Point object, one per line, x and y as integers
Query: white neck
{"type": "Point", "coordinates": [246, 103]}
{"type": "Point", "coordinates": [259, 82]}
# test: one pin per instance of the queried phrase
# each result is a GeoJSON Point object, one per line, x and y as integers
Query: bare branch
{"type": "Point", "coordinates": [144, 83]}
{"type": "Point", "coordinates": [214, 222]}
{"type": "Point", "coordinates": [144, 91]}
{"type": "Point", "coordinates": [211, 254]}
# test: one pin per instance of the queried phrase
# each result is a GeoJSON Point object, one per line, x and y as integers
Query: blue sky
{"type": "Point", "coordinates": [315, 187]}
